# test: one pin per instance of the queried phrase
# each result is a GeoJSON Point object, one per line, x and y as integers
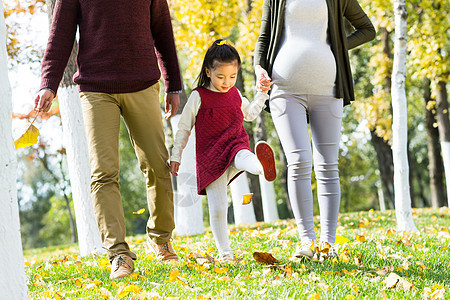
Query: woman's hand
{"type": "Point", "coordinates": [174, 166]}
{"type": "Point", "coordinates": [263, 81]}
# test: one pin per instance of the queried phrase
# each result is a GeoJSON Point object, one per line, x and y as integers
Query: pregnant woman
{"type": "Point", "coordinates": [301, 56]}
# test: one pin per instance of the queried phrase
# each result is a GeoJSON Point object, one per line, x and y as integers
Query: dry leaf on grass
{"type": "Point", "coordinates": [394, 280]}
{"type": "Point", "coordinates": [265, 258]}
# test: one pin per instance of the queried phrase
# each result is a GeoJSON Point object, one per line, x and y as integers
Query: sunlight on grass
{"type": "Point", "coordinates": [376, 262]}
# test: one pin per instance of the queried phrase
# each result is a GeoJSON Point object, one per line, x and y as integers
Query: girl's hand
{"type": "Point", "coordinates": [174, 166]}
{"type": "Point", "coordinates": [263, 81]}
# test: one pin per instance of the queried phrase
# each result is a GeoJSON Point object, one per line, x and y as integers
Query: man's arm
{"type": "Point", "coordinates": [60, 43]}
{"type": "Point", "coordinates": [161, 27]}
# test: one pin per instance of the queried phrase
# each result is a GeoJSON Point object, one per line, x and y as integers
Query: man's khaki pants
{"type": "Point", "coordinates": [142, 115]}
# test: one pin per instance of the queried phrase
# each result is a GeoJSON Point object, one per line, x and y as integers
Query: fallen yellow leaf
{"type": "Point", "coordinates": [288, 272]}
{"type": "Point", "coordinates": [220, 270]}
{"type": "Point", "coordinates": [344, 258]}
{"type": "Point", "coordinates": [173, 274]}
{"type": "Point", "coordinates": [78, 282]}
{"type": "Point", "coordinates": [315, 296]}
{"type": "Point", "coordinates": [361, 238]}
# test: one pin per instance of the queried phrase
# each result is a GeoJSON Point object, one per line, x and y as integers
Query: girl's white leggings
{"type": "Point", "coordinates": [289, 113]}
{"type": "Point", "coordinates": [218, 200]}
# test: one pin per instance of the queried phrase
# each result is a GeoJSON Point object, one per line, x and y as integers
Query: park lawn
{"type": "Point", "coordinates": [376, 262]}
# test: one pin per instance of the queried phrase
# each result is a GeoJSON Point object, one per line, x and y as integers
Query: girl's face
{"type": "Point", "coordinates": [223, 75]}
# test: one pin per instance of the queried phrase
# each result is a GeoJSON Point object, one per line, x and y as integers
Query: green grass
{"type": "Point", "coordinates": [374, 250]}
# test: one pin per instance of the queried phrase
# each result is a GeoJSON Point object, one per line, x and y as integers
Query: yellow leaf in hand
{"type": "Point", "coordinates": [30, 137]}
{"type": "Point", "coordinates": [139, 212]}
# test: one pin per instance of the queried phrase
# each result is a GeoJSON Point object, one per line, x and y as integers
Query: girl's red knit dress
{"type": "Point", "coordinates": [219, 134]}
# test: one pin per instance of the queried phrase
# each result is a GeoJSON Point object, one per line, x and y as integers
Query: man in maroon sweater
{"type": "Point", "coordinates": [121, 44]}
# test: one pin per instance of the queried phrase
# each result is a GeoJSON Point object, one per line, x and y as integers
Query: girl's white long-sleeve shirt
{"type": "Point", "coordinates": [250, 111]}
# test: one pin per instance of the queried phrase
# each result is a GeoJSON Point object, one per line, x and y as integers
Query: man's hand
{"type": "Point", "coordinates": [174, 166]}
{"type": "Point", "coordinates": [43, 100]}
{"type": "Point", "coordinates": [172, 101]}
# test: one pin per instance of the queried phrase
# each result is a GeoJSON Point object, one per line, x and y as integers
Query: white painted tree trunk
{"type": "Point", "coordinates": [380, 196]}
{"type": "Point", "coordinates": [269, 203]}
{"type": "Point", "coordinates": [399, 124]}
{"type": "Point", "coordinates": [89, 240]}
{"type": "Point", "coordinates": [243, 214]}
{"type": "Point", "coordinates": [188, 208]}
{"type": "Point", "coordinates": [445, 146]}
{"type": "Point", "coordinates": [12, 274]}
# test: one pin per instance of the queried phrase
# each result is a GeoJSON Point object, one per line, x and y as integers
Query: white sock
{"type": "Point", "coordinates": [247, 161]}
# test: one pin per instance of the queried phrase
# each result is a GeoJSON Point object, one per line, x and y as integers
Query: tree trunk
{"type": "Point", "coordinates": [382, 148]}
{"type": "Point", "coordinates": [385, 165]}
{"type": "Point", "coordinates": [444, 133]}
{"type": "Point", "coordinates": [12, 276]}
{"type": "Point", "coordinates": [253, 180]}
{"type": "Point", "coordinates": [399, 125]}
{"type": "Point", "coordinates": [243, 214]}
{"type": "Point", "coordinates": [74, 136]}
{"type": "Point", "coordinates": [435, 166]}
{"type": "Point", "coordinates": [412, 170]}
{"type": "Point", "coordinates": [188, 208]}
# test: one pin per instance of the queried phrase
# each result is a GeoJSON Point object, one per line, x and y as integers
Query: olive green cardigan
{"type": "Point", "coordinates": [272, 22]}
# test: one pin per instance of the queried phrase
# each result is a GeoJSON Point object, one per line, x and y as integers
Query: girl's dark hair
{"type": "Point", "coordinates": [220, 51]}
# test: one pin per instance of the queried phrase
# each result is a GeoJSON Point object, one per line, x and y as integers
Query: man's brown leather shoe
{"type": "Point", "coordinates": [163, 251]}
{"type": "Point", "coordinates": [122, 266]}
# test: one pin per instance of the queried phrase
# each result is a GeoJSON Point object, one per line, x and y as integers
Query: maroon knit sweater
{"type": "Point", "coordinates": [121, 43]}
{"type": "Point", "coordinates": [219, 134]}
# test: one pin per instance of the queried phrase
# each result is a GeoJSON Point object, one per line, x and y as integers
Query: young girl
{"type": "Point", "coordinates": [217, 109]}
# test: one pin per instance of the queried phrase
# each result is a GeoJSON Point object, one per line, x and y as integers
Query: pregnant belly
{"type": "Point", "coordinates": [308, 68]}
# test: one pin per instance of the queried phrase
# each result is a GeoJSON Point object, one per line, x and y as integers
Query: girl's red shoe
{"type": "Point", "coordinates": [265, 155]}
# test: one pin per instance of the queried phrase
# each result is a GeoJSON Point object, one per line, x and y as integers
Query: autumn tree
{"type": "Point", "coordinates": [428, 50]}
